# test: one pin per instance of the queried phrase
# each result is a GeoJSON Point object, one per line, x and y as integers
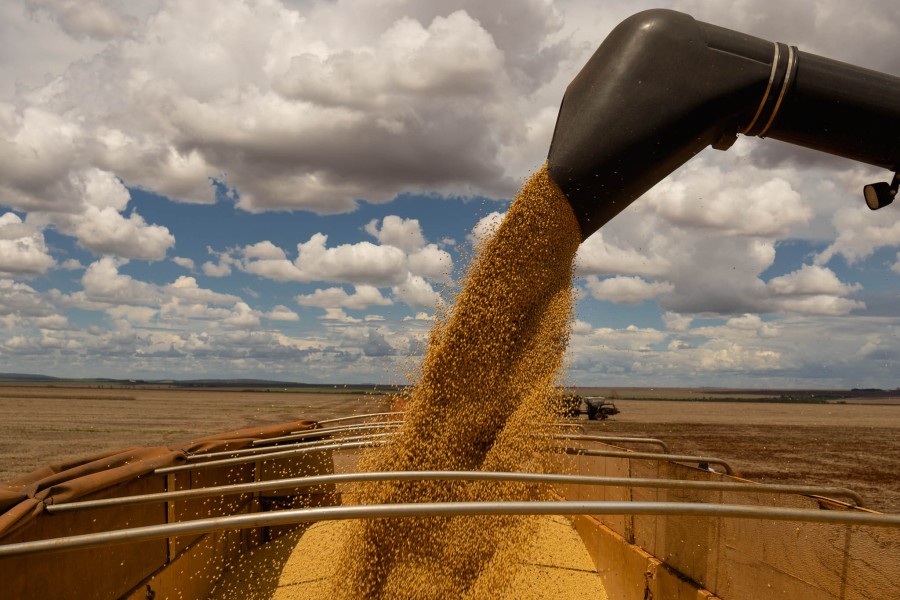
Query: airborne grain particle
{"type": "Point", "coordinates": [487, 383]}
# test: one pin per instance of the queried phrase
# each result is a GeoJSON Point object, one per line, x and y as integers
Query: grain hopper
{"type": "Point", "coordinates": [158, 523]}
{"type": "Point", "coordinates": [663, 86]}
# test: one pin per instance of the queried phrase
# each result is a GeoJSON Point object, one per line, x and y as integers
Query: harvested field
{"type": "Point", "coordinates": [41, 425]}
{"type": "Point", "coordinates": [850, 445]}
{"type": "Point", "coordinates": [854, 445]}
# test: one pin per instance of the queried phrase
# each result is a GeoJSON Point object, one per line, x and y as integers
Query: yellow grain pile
{"type": "Point", "coordinates": [486, 384]}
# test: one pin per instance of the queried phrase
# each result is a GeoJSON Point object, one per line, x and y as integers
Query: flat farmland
{"type": "Point", "coordinates": [852, 445]}
{"type": "Point", "coordinates": [41, 425]}
{"type": "Point", "coordinates": [849, 445]}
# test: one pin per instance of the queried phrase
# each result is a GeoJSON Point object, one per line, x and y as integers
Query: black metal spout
{"type": "Point", "coordinates": [663, 86]}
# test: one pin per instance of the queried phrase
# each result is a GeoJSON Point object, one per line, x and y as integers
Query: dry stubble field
{"type": "Point", "coordinates": [852, 445]}
{"type": "Point", "coordinates": [41, 425]}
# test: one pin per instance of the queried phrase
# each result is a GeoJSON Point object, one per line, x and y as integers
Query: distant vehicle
{"type": "Point", "coordinates": [599, 407]}
{"type": "Point", "coordinates": [595, 407]}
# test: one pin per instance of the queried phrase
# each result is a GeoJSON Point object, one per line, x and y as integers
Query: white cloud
{"type": "Point", "coordinates": [242, 317]}
{"type": "Point", "coordinates": [626, 290]}
{"type": "Point", "coordinates": [861, 232]}
{"type": "Point", "coordinates": [810, 279]}
{"type": "Point", "coordinates": [357, 263]}
{"type": "Point", "coordinates": [85, 18]}
{"type": "Point", "coordinates": [338, 315]}
{"type": "Point", "coordinates": [22, 248]}
{"type": "Point", "coordinates": [104, 283]}
{"type": "Point", "coordinates": [22, 300]}
{"type": "Point", "coordinates": [295, 114]}
{"type": "Point", "coordinates": [362, 263]}
{"type": "Point", "coordinates": [405, 234]}
{"type": "Point", "coordinates": [431, 262]}
{"type": "Point", "coordinates": [747, 202]}
{"type": "Point", "coordinates": [416, 292]}
{"type": "Point", "coordinates": [597, 256]}
{"type": "Point", "coordinates": [581, 328]}
{"type": "Point", "coordinates": [182, 261]}
{"type": "Point", "coordinates": [747, 322]}
{"type": "Point", "coordinates": [896, 266]}
{"type": "Point", "coordinates": [106, 231]}
{"type": "Point", "coordinates": [186, 288]}
{"type": "Point", "coordinates": [486, 227]}
{"type": "Point", "coordinates": [335, 297]}
{"type": "Point", "coordinates": [676, 322]}
{"type": "Point", "coordinates": [821, 304]}
{"type": "Point", "coordinates": [377, 345]}
{"type": "Point", "coordinates": [221, 269]}
{"type": "Point", "coordinates": [282, 313]}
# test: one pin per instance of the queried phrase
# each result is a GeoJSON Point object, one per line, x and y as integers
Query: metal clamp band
{"type": "Point", "coordinates": [788, 79]}
{"type": "Point", "coordinates": [768, 89]}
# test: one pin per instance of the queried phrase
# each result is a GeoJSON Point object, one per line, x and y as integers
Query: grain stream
{"type": "Point", "coordinates": [487, 383]}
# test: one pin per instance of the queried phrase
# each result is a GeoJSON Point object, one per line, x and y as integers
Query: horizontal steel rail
{"type": "Point", "coordinates": [537, 478]}
{"type": "Point", "coordinates": [445, 509]}
{"type": "Point", "coordinates": [611, 438]}
{"type": "Point", "coordinates": [242, 460]}
{"type": "Point", "coordinates": [326, 431]}
{"type": "Point", "coordinates": [652, 456]}
{"type": "Point", "coordinates": [364, 416]}
{"type": "Point", "coordinates": [267, 449]}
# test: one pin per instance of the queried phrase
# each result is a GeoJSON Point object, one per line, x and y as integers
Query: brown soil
{"type": "Point", "coordinates": [42, 425]}
{"type": "Point", "coordinates": [849, 445]}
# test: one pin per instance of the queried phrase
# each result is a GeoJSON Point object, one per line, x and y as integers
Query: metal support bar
{"type": "Point", "coordinates": [266, 449]}
{"type": "Point", "coordinates": [537, 478]}
{"type": "Point", "coordinates": [609, 438]}
{"type": "Point", "coordinates": [241, 460]}
{"type": "Point", "coordinates": [326, 431]}
{"type": "Point", "coordinates": [365, 416]}
{"type": "Point", "coordinates": [446, 509]}
{"type": "Point", "coordinates": [651, 456]}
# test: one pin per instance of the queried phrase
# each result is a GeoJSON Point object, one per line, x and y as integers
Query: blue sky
{"type": "Point", "coordinates": [281, 189]}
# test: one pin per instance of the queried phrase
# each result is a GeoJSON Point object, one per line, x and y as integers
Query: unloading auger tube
{"type": "Point", "coordinates": [663, 86]}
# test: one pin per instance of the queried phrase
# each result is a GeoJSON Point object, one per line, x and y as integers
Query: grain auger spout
{"type": "Point", "coordinates": [663, 86]}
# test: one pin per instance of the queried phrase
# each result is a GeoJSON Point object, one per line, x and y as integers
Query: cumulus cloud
{"type": "Point", "coordinates": [242, 317]}
{"type": "Point", "coordinates": [626, 290]}
{"type": "Point", "coordinates": [486, 227]}
{"type": "Point", "coordinates": [749, 202]}
{"type": "Point", "coordinates": [22, 248]}
{"type": "Point", "coordinates": [676, 322]}
{"type": "Point", "coordinates": [85, 18]}
{"type": "Point", "coordinates": [338, 316]}
{"type": "Point", "coordinates": [830, 27]}
{"type": "Point", "coordinates": [416, 292]}
{"type": "Point", "coordinates": [377, 345]}
{"type": "Point", "coordinates": [295, 116]}
{"type": "Point", "coordinates": [362, 262]}
{"type": "Point", "coordinates": [187, 288]}
{"type": "Point", "coordinates": [220, 269]}
{"type": "Point", "coordinates": [103, 283]}
{"type": "Point", "coordinates": [860, 233]}
{"type": "Point", "coordinates": [282, 313]}
{"type": "Point", "coordinates": [22, 300]}
{"type": "Point", "coordinates": [183, 261]}
{"type": "Point", "coordinates": [812, 280]}
{"type": "Point", "coordinates": [405, 234]}
{"type": "Point", "coordinates": [363, 297]}
{"type": "Point", "coordinates": [598, 256]}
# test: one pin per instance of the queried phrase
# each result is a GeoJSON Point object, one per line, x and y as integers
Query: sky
{"type": "Point", "coordinates": [282, 189]}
